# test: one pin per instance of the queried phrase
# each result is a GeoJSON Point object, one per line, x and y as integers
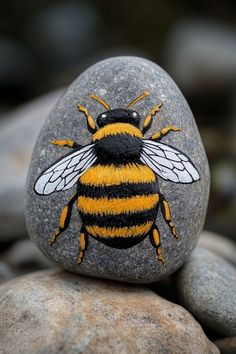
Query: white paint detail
{"type": "Point", "coordinates": [174, 166]}
{"type": "Point", "coordinates": [62, 176]}
{"type": "Point", "coordinates": [172, 156]}
{"type": "Point", "coordinates": [41, 182]}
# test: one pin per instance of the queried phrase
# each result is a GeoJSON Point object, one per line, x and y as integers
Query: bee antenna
{"type": "Point", "coordinates": [146, 93]}
{"type": "Point", "coordinates": [103, 103]}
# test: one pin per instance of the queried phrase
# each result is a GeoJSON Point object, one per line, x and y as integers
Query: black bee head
{"type": "Point", "coordinates": [118, 116]}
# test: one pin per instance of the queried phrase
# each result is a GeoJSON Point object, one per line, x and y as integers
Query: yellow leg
{"type": "Point", "coordinates": [67, 143]}
{"type": "Point", "coordinates": [64, 219]}
{"type": "Point", "coordinates": [165, 209]}
{"type": "Point", "coordinates": [156, 241]}
{"type": "Point", "coordinates": [90, 121]}
{"type": "Point", "coordinates": [159, 135]}
{"type": "Point", "coordinates": [148, 120]}
{"type": "Point", "coordinates": [83, 242]}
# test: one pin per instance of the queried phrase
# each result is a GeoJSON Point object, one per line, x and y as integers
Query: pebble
{"type": "Point", "coordinates": [218, 244]}
{"type": "Point", "coordinates": [18, 132]}
{"type": "Point", "coordinates": [118, 81]}
{"type": "Point", "coordinates": [54, 312]}
{"type": "Point", "coordinates": [207, 288]}
{"type": "Point", "coordinates": [24, 257]}
{"type": "Point", "coordinates": [5, 272]}
{"type": "Point", "coordinates": [226, 345]}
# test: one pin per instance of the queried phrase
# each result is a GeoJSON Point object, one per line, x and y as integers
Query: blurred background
{"type": "Point", "coordinates": [45, 44]}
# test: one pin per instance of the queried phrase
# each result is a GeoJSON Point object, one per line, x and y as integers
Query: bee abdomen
{"type": "Point", "coordinates": [118, 202]}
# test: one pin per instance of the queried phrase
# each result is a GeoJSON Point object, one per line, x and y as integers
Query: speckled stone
{"type": "Point", "coordinates": [118, 81]}
{"type": "Point", "coordinates": [53, 312]}
{"type": "Point", "coordinates": [218, 244]}
{"type": "Point", "coordinates": [207, 288]}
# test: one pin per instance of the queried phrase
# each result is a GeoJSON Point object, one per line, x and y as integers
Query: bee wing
{"type": "Point", "coordinates": [65, 172]}
{"type": "Point", "coordinates": [168, 162]}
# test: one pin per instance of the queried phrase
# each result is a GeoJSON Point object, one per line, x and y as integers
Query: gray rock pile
{"type": "Point", "coordinates": [189, 304]}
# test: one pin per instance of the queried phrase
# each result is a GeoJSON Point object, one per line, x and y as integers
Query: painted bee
{"type": "Point", "coordinates": [117, 190]}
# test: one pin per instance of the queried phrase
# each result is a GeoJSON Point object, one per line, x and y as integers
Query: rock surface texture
{"type": "Point", "coordinates": [118, 81]}
{"type": "Point", "coordinates": [207, 288]}
{"type": "Point", "coordinates": [218, 244]}
{"type": "Point", "coordinates": [57, 312]}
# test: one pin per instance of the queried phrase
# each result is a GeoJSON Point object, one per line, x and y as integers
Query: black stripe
{"type": "Point", "coordinates": [121, 242]}
{"type": "Point", "coordinates": [123, 190]}
{"type": "Point", "coordinates": [119, 220]}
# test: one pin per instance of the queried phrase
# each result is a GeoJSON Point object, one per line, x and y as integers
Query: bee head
{"type": "Point", "coordinates": [118, 116]}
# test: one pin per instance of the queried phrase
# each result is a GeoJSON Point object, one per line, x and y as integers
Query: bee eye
{"type": "Point", "coordinates": [103, 115]}
{"type": "Point", "coordinates": [134, 114]}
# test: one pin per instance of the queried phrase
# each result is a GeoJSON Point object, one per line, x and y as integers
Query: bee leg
{"type": "Point", "coordinates": [159, 135]}
{"type": "Point", "coordinates": [156, 242]}
{"type": "Point", "coordinates": [90, 121]}
{"type": "Point", "coordinates": [83, 244]}
{"type": "Point", "coordinates": [165, 209]}
{"type": "Point", "coordinates": [148, 120]}
{"type": "Point", "coordinates": [66, 143]}
{"type": "Point", "coordinates": [64, 219]}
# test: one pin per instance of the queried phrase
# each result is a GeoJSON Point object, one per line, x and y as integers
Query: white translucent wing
{"type": "Point", "coordinates": [65, 172]}
{"type": "Point", "coordinates": [168, 163]}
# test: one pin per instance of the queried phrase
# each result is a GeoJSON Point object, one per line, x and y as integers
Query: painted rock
{"type": "Point", "coordinates": [118, 183]}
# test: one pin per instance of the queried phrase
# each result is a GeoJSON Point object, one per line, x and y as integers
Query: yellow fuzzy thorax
{"type": "Point", "coordinates": [117, 128]}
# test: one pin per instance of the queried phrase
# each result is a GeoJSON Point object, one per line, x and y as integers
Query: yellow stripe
{"type": "Point", "coordinates": [69, 143]}
{"type": "Point", "coordinates": [117, 128]}
{"type": "Point", "coordinates": [91, 122]}
{"type": "Point", "coordinates": [82, 242]}
{"type": "Point", "coordinates": [117, 206]}
{"type": "Point", "coordinates": [147, 121]}
{"type": "Point", "coordinates": [156, 237]}
{"type": "Point", "coordinates": [167, 210]}
{"type": "Point", "coordinates": [63, 216]}
{"type": "Point", "coordinates": [132, 231]}
{"type": "Point", "coordinates": [111, 175]}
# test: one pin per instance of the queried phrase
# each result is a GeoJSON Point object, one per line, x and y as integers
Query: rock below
{"type": "Point", "coordinates": [118, 81]}
{"type": "Point", "coordinates": [53, 311]}
{"type": "Point", "coordinates": [226, 345]}
{"type": "Point", "coordinates": [218, 244]}
{"type": "Point", "coordinates": [207, 288]}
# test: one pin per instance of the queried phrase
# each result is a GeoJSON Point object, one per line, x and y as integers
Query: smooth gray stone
{"type": "Point", "coordinates": [218, 244]}
{"type": "Point", "coordinates": [53, 312]}
{"type": "Point", "coordinates": [5, 272]}
{"type": "Point", "coordinates": [24, 256]}
{"type": "Point", "coordinates": [207, 288]}
{"type": "Point", "coordinates": [118, 81]}
{"type": "Point", "coordinates": [18, 132]}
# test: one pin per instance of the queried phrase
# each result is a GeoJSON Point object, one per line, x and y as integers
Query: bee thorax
{"type": "Point", "coordinates": [120, 148]}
